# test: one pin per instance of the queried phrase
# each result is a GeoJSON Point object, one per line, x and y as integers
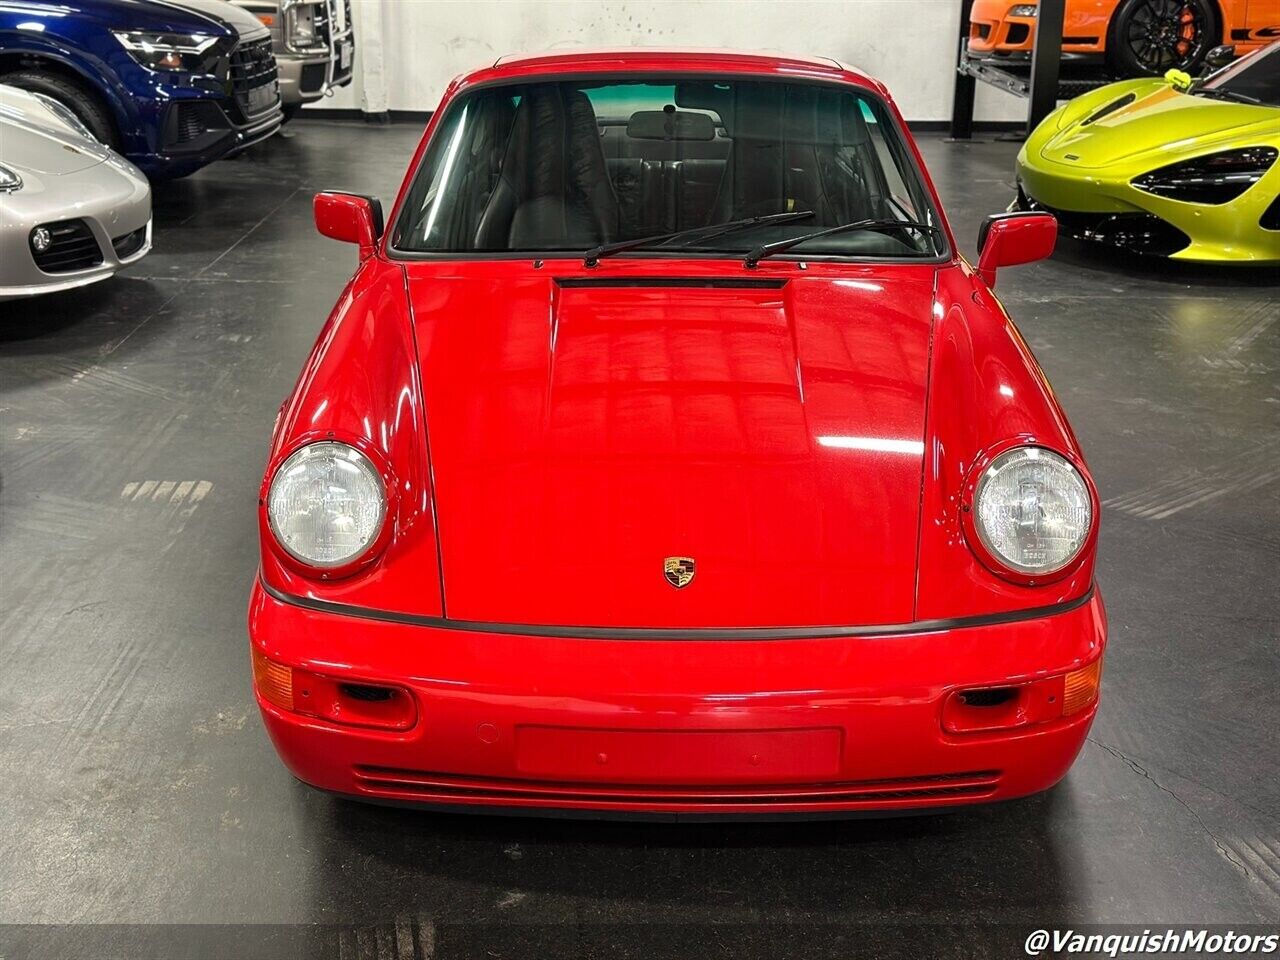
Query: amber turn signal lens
{"type": "Point", "coordinates": [273, 680]}
{"type": "Point", "coordinates": [1081, 688]}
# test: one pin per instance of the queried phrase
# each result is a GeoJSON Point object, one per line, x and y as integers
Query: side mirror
{"type": "Point", "coordinates": [1179, 79]}
{"type": "Point", "coordinates": [351, 218]}
{"type": "Point", "coordinates": [1220, 56]}
{"type": "Point", "coordinates": [1008, 239]}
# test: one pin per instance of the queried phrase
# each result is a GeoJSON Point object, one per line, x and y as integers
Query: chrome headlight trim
{"type": "Point", "coordinates": [1049, 514]}
{"type": "Point", "coordinates": [327, 505]}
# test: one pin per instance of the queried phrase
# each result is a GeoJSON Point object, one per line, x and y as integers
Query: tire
{"type": "Point", "coordinates": [1148, 37]}
{"type": "Point", "coordinates": [291, 110]}
{"type": "Point", "coordinates": [77, 98]}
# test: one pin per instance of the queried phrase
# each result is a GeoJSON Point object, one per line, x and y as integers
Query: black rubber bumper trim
{"type": "Point", "coordinates": [671, 633]}
{"type": "Point", "coordinates": [605, 814]}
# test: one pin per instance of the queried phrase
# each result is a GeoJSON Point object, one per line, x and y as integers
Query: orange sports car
{"type": "Point", "coordinates": [1135, 37]}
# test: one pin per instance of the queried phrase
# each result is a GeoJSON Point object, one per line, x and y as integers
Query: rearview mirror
{"type": "Point", "coordinates": [351, 218]}
{"type": "Point", "coordinates": [1008, 239]}
{"type": "Point", "coordinates": [1220, 56]}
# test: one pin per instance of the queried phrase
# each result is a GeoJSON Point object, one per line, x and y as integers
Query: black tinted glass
{"type": "Point", "coordinates": [569, 165]}
{"type": "Point", "coordinates": [1256, 77]}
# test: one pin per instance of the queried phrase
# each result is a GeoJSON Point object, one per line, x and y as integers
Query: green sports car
{"type": "Point", "coordinates": [1169, 167]}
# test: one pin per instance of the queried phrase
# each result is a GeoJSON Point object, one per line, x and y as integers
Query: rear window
{"type": "Point", "coordinates": [560, 167]}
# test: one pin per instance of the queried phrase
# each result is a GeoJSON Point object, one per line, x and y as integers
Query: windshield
{"type": "Point", "coordinates": [565, 167]}
{"type": "Point", "coordinates": [1255, 78]}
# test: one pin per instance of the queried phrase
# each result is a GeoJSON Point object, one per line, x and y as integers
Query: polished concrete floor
{"type": "Point", "coordinates": [137, 785]}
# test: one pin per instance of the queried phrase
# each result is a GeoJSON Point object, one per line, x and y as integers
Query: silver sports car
{"type": "Point", "coordinates": [72, 211]}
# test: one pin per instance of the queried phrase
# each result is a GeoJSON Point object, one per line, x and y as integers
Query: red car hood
{"type": "Point", "coordinates": [583, 430]}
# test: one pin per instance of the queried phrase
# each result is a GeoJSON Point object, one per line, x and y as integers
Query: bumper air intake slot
{"type": "Point", "coordinates": [366, 693]}
{"type": "Point", "coordinates": [129, 244]}
{"type": "Point", "coordinates": [71, 247]}
{"type": "Point", "coordinates": [353, 704]}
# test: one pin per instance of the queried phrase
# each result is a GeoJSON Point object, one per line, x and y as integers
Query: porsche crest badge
{"type": "Point", "coordinates": [678, 571]}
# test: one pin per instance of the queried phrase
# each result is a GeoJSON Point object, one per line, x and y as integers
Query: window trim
{"type": "Point", "coordinates": [395, 253]}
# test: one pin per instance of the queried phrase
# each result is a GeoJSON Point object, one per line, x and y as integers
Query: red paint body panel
{"type": "Point", "coordinates": [361, 386]}
{"type": "Point", "coordinates": [1012, 239]}
{"type": "Point", "coordinates": [811, 440]}
{"type": "Point", "coordinates": [986, 393]}
{"type": "Point", "coordinates": [579, 435]}
{"type": "Point", "coordinates": [477, 690]}
{"type": "Point", "coordinates": [346, 218]}
{"type": "Point", "coordinates": [585, 755]}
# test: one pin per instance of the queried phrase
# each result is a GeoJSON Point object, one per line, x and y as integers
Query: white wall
{"type": "Point", "coordinates": [909, 44]}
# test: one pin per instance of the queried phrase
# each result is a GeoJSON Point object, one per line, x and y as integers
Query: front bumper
{"type": "Point", "coordinates": [687, 727]}
{"type": "Point", "coordinates": [1101, 205]}
{"type": "Point", "coordinates": [994, 30]}
{"type": "Point", "coordinates": [111, 200]}
{"type": "Point", "coordinates": [305, 78]}
{"type": "Point", "coordinates": [180, 127]}
{"type": "Point", "coordinates": [212, 136]}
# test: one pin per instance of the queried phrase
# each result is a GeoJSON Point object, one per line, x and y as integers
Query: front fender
{"type": "Point", "coordinates": [92, 70]}
{"type": "Point", "coordinates": [985, 390]}
{"type": "Point", "coordinates": [360, 386]}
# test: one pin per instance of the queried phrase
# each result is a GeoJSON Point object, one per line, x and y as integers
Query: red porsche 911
{"type": "Point", "coordinates": [664, 457]}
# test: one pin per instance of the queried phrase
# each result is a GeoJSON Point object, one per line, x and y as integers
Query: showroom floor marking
{"type": "Point", "coordinates": [174, 493]}
{"type": "Point", "coordinates": [1247, 471]}
{"type": "Point", "coordinates": [1257, 853]}
{"type": "Point", "coordinates": [406, 939]}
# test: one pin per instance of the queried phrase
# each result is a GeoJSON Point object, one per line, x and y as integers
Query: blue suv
{"type": "Point", "coordinates": [171, 85]}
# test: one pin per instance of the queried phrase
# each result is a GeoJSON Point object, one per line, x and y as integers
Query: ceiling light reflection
{"type": "Point", "coordinates": [876, 444]}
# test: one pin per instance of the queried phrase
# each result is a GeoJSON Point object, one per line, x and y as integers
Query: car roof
{"type": "Point", "coordinates": [642, 59]}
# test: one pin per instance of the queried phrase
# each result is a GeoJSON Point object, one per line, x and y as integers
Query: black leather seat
{"type": "Point", "coordinates": [645, 198]}
{"type": "Point", "coordinates": [553, 190]}
{"type": "Point", "coordinates": [782, 159]}
{"type": "Point", "coordinates": [696, 185]}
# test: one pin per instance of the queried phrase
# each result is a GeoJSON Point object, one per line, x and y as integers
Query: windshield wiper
{"type": "Point", "coordinates": [595, 254]}
{"type": "Point", "coordinates": [769, 249]}
{"type": "Point", "coordinates": [1219, 93]}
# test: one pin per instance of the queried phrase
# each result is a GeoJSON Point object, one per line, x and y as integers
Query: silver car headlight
{"type": "Point", "coordinates": [9, 180]}
{"type": "Point", "coordinates": [1032, 510]}
{"type": "Point", "coordinates": [326, 504]}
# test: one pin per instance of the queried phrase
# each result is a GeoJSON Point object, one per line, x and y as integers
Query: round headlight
{"type": "Point", "coordinates": [326, 504]}
{"type": "Point", "coordinates": [1032, 510]}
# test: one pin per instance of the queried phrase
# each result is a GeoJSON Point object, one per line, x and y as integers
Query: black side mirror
{"type": "Point", "coordinates": [1219, 57]}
